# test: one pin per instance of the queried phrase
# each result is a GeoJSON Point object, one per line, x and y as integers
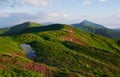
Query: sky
{"type": "Point", "coordinates": [104, 12]}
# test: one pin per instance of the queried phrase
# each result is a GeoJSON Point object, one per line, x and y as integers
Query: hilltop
{"type": "Point", "coordinates": [21, 27]}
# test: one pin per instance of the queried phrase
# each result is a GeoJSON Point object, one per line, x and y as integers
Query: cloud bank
{"type": "Point", "coordinates": [102, 0]}
{"type": "Point", "coordinates": [88, 2]}
{"type": "Point", "coordinates": [36, 2]}
{"type": "Point", "coordinates": [41, 17]}
{"type": "Point", "coordinates": [14, 3]}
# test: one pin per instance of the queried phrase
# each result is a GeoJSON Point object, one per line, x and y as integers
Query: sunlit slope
{"type": "Point", "coordinates": [76, 51]}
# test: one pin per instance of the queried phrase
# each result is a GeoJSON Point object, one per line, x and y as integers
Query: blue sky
{"type": "Point", "coordinates": [105, 12]}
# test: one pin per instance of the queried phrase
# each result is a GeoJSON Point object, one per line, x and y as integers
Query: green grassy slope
{"type": "Point", "coordinates": [3, 30]}
{"type": "Point", "coordinates": [14, 63]}
{"type": "Point", "coordinates": [72, 52]}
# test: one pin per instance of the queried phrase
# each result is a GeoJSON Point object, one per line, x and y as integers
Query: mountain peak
{"type": "Point", "coordinates": [30, 24]}
{"type": "Point", "coordinates": [91, 24]}
{"type": "Point", "coordinates": [85, 21]}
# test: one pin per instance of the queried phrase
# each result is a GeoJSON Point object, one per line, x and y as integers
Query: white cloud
{"type": "Point", "coordinates": [36, 2]}
{"type": "Point", "coordinates": [102, 0]}
{"type": "Point", "coordinates": [13, 3]}
{"type": "Point", "coordinates": [56, 14]}
{"type": "Point", "coordinates": [86, 2]}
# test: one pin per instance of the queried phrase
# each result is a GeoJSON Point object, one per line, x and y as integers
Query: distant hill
{"type": "Point", "coordinates": [89, 24]}
{"type": "Point", "coordinates": [21, 27]}
{"type": "Point", "coordinates": [97, 29]}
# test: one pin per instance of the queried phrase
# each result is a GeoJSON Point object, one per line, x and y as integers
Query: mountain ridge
{"type": "Point", "coordinates": [89, 23]}
{"type": "Point", "coordinates": [97, 29]}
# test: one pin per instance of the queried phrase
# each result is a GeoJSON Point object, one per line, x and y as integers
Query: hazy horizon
{"type": "Point", "coordinates": [104, 12]}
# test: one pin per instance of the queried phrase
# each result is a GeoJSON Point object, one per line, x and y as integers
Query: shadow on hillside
{"type": "Point", "coordinates": [33, 30]}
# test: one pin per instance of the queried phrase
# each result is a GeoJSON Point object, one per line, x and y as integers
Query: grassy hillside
{"type": "Point", "coordinates": [14, 63]}
{"type": "Point", "coordinates": [3, 30]}
{"type": "Point", "coordinates": [63, 51]}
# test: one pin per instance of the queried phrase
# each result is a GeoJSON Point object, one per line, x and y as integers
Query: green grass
{"type": "Point", "coordinates": [85, 55]}
{"type": "Point", "coordinates": [7, 44]}
{"type": "Point", "coordinates": [19, 73]}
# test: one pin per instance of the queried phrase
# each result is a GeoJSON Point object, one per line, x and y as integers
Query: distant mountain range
{"type": "Point", "coordinates": [117, 30]}
{"type": "Point", "coordinates": [97, 29]}
{"type": "Point", "coordinates": [85, 25]}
